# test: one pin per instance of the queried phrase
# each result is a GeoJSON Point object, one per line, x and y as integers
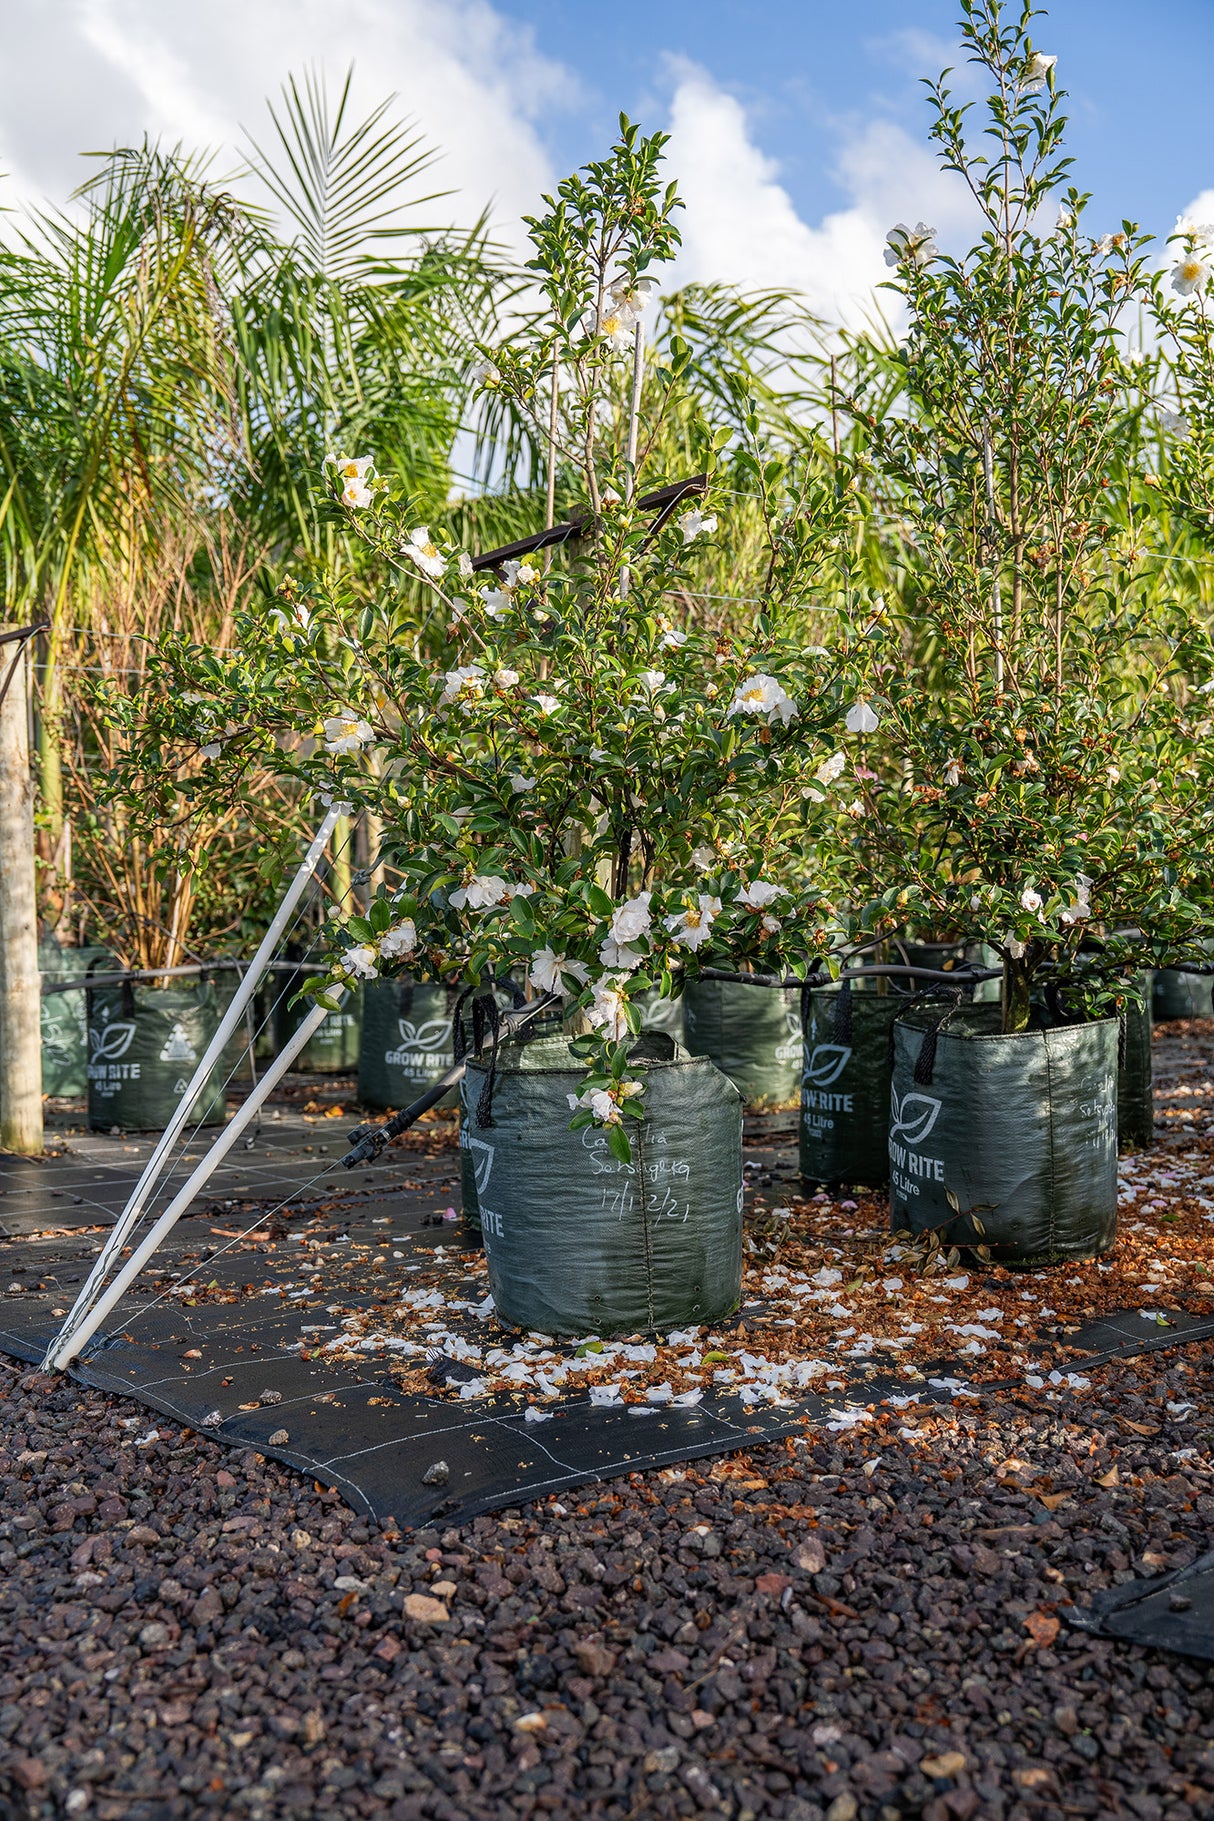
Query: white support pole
{"type": "Point", "coordinates": [78, 1330]}
{"type": "Point", "coordinates": [153, 1169]}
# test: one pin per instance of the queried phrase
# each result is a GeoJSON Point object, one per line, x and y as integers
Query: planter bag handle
{"type": "Point", "coordinates": [486, 1016]}
{"type": "Point", "coordinates": [925, 1061]}
{"type": "Point", "coordinates": [842, 1032]}
{"type": "Point", "coordinates": [809, 987]}
{"type": "Point", "coordinates": [404, 1004]}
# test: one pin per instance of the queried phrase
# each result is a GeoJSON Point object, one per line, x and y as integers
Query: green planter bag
{"type": "Point", "coordinates": [752, 1033]}
{"type": "Point", "coordinates": [658, 1014]}
{"type": "Point", "coordinates": [65, 1041]}
{"type": "Point", "coordinates": [235, 1064]}
{"type": "Point", "coordinates": [1178, 995]}
{"type": "Point", "coordinates": [333, 1049]}
{"type": "Point", "coordinates": [1135, 1091]}
{"type": "Point", "coordinates": [144, 1044]}
{"type": "Point", "coordinates": [579, 1243]}
{"type": "Point", "coordinates": [406, 1042]}
{"type": "Point", "coordinates": [1018, 1130]}
{"type": "Point", "coordinates": [845, 1084]}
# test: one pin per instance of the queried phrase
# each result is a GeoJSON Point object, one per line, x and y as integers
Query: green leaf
{"type": "Point", "coordinates": [617, 1143]}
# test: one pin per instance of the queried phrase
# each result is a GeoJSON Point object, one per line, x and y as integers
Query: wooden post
{"type": "Point", "coordinates": [20, 985]}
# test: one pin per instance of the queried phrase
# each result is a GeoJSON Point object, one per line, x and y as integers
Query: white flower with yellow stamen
{"type": "Point", "coordinates": [346, 733]}
{"type": "Point", "coordinates": [693, 924]}
{"type": "Point", "coordinates": [421, 549]}
{"type": "Point", "coordinates": [762, 695]}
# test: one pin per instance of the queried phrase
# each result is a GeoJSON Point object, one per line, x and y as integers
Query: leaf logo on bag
{"type": "Point", "coordinates": [912, 1117]}
{"type": "Point", "coordinates": [428, 1036]}
{"type": "Point", "coordinates": [481, 1165]}
{"type": "Point", "coordinates": [826, 1063]}
{"type": "Point", "coordinates": [110, 1042]}
{"type": "Point", "coordinates": [178, 1048]}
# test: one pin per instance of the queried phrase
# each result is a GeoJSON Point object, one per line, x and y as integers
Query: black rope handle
{"type": "Point", "coordinates": [485, 1013]}
{"type": "Point", "coordinates": [842, 1032]}
{"type": "Point", "coordinates": [809, 986]}
{"type": "Point", "coordinates": [925, 1061]}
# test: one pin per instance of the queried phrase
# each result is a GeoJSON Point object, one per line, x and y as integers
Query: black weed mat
{"type": "Point", "coordinates": [1166, 1612]}
{"type": "Point", "coordinates": [255, 1368]}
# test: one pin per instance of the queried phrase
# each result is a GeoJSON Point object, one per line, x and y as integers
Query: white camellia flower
{"type": "Point", "coordinates": [345, 733]}
{"type": "Point", "coordinates": [831, 768]}
{"type": "Point", "coordinates": [623, 306]}
{"type": "Point", "coordinates": [952, 773]}
{"type": "Point", "coordinates": [357, 495]}
{"type": "Point", "coordinates": [762, 695]}
{"type": "Point", "coordinates": [486, 374]}
{"type": "Point", "coordinates": [607, 1013]}
{"type": "Point", "coordinates": [465, 686]}
{"type": "Point", "coordinates": [1037, 74]}
{"type": "Point", "coordinates": [466, 571]}
{"type": "Point", "coordinates": [360, 963]}
{"type": "Point", "coordinates": [420, 549]}
{"type": "Point", "coordinates": [759, 894]}
{"type": "Point", "coordinates": [211, 750]}
{"type": "Point", "coordinates": [618, 955]}
{"type": "Point", "coordinates": [692, 522]}
{"type": "Point", "coordinates": [652, 680]}
{"type": "Point", "coordinates": [399, 941]}
{"type": "Point", "coordinates": [597, 1101]}
{"type": "Point", "coordinates": [505, 678]}
{"type": "Point", "coordinates": [546, 704]}
{"type": "Point", "coordinates": [1081, 910]}
{"type": "Point", "coordinates": [609, 499]}
{"type": "Point", "coordinates": [1175, 423]}
{"type": "Point", "coordinates": [704, 858]}
{"type": "Point", "coordinates": [632, 918]}
{"type": "Point", "coordinates": [520, 572]}
{"type": "Point", "coordinates": [352, 467]}
{"type": "Point", "coordinates": [518, 783]}
{"type": "Point", "coordinates": [693, 925]}
{"type": "Point", "coordinates": [770, 925]}
{"type": "Point", "coordinates": [1190, 273]}
{"type": "Point", "coordinates": [918, 244]}
{"type": "Point", "coordinates": [497, 603]}
{"type": "Point", "coordinates": [1031, 900]}
{"type": "Point", "coordinates": [862, 718]}
{"type": "Point", "coordinates": [1015, 947]}
{"type": "Point", "coordinates": [547, 968]}
{"type": "Point", "coordinates": [672, 638]}
{"type": "Point", "coordinates": [482, 890]}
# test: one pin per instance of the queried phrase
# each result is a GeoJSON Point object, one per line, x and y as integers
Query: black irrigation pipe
{"type": "Point", "coordinates": [88, 981]}
{"type": "Point", "coordinates": [955, 977]}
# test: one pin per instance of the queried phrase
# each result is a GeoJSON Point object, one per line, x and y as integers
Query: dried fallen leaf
{"type": "Point", "coordinates": [1042, 1627]}
{"type": "Point", "coordinates": [1111, 1478]}
{"type": "Point", "coordinates": [534, 1722]}
{"type": "Point", "coordinates": [773, 1584]}
{"type": "Point", "coordinates": [279, 1439]}
{"type": "Point", "coordinates": [1035, 1776]}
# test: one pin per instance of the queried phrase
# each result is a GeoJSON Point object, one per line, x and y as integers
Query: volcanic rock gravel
{"type": "Point", "coordinates": [860, 1626]}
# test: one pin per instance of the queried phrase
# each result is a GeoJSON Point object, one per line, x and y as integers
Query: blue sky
{"type": "Point", "coordinates": [807, 70]}
{"type": "Point", "coordinates": [799, 131]}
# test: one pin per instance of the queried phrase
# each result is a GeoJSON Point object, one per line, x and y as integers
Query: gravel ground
{"type": "Point", "coordinates": [862, 1626]}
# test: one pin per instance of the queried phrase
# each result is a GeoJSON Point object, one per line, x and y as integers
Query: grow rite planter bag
{"type": "Point", "coordinates": [333, 1050]}
{"type": "Point", "coordinates": [406, 1042]}
{"type": "Point", "coordinates": [235, 1064]}
{"type": "Point", "coordinates": [845, 1085]}
{"type": "Point", "coordinates": [144, 1044]}
{"type": "Point", "coordinates": [658, 1014]}
{"type": "Point", "coordinates": [1135, 1092]}
{"type": "Point", "coordinates": [1019, 1131]}
{"type": "Point", "coordinates": [1177, 995]}
{"type": "Point", "coordinates": [752, 1033]}
{"type": "Point", "coordinates": [65, 1042]}
{"type": "Point", "coordinates": [577, 1242]}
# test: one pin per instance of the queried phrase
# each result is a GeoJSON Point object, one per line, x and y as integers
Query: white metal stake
{"type": "Point", "coordinates": [152, 1170]}
{"type": "Point", "coordinates": [69, 1340]}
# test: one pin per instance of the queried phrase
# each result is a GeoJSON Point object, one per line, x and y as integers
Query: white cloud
{"type": "Point", "coordinates": [473, 82]}
{"type": "Point", "coordinates": [740, 225]}
{"type": "Point", "coordinates": [1200, 210]}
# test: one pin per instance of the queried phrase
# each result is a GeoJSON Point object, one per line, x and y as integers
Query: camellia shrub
{"type": "Point", "coordinates": [587, 783]}
{"type": "Point", "coordinates": [1037, 740]}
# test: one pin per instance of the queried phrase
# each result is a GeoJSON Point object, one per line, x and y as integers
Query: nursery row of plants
{"type": "Point", "coordinates": [911, 648]}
